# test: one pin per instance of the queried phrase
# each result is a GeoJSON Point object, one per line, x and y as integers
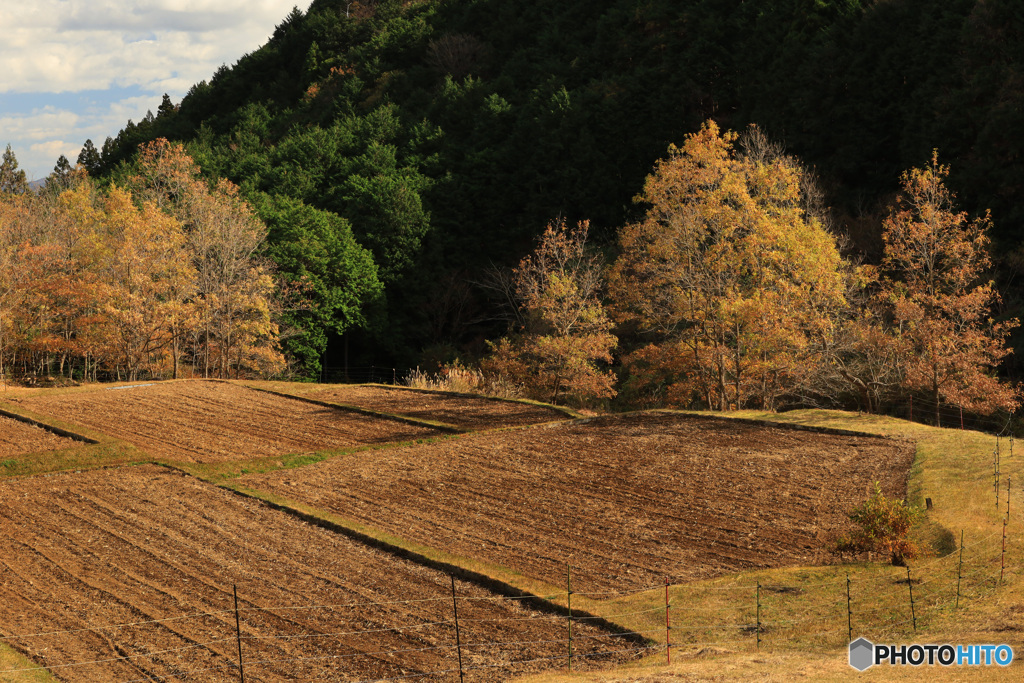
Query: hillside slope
{"type": "Point", "coordinates": [449, 132]}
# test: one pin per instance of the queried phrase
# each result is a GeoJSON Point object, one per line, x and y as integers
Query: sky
{"type": "Point", "coordinates": [72, 70]}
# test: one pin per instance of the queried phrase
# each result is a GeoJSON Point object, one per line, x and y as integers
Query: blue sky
{"type": "Point", "coordinates": [72, 70]}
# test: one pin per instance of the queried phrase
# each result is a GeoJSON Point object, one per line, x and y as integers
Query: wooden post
{"type": "Point", "coordinates": [458, 639]}
{"type": "Point", "coordinates": [758, 644]}
{"type": "Point", "coordinates": [568, 597]}
{"type": "Point", "coordinates": [961, 418]}
{"type": "Point", "coordinates": [849, 611]}
{"type": "Point", "coordinates": [238, 635]}
{"type": "Point", "coordinates": [960, 569]}
{"type": "Point", "coordinates": [1002, 557]}
{"type": "Point", "coordinates": [911, 407]}
{"type": "Point", "coordinates": [668, 627]}
{"type": "Point", "coordinates": [995, 474]}
{"type": "Point", "coordinates": [910, 585]}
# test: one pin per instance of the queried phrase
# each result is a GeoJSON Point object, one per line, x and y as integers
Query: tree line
{"type": "Point", "coordinates": [143, 278]}
{"type": "Point", "coordinates": [732, 292]}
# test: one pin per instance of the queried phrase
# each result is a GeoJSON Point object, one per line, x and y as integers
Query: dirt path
{"type": "Point", "coordinates": [127, 575]}
{"type": "Point", "coordinates": [627, 500]}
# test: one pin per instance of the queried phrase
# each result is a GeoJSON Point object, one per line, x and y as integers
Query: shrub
{"type": "Point", "coordinates": [885, 525]}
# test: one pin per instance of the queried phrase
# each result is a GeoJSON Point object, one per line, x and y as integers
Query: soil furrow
{"type": "Point", "coordinates": [626, 499]}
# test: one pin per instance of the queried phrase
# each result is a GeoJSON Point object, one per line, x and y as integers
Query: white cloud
{"type": "Point", "coordinates": [52, 150]}
{"type": "Point", "coordinates": [74, 45]}
{"type": "Point", "coordinates": [147, 46]}
{"type": "Point", "coordinates": [38, 124]}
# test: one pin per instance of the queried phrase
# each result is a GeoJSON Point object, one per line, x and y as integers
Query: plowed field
{"type": "Point", "coordinates": [17, 438]}
{"type": "Point", "coordinates": [461, 411]}
{"type": "Point", "coordinates": [208, 422]}
{"type": "Point", "coordinates": [628, 500]}
{"type": "Point", "coordinates": [128, 576]}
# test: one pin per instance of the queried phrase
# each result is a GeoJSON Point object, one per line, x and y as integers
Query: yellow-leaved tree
{"type": "Point", "coordinates": [732, 281]}
{"type": "Point", "coordinates": [940, 303]}
{"type": "Point", "coordinates": [230, 320]}
{"type": "Point", "coordinates": [566, 333]}
{"type": "Point", "coordinates": [145, 275]}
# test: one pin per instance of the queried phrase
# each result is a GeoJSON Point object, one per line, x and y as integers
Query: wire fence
{"type": "Point", "coordinates": [545, 639]}
{"type": "Point", "coordinates": [924, 410]}
{"type": "Point", "coordinates": [819, 610]}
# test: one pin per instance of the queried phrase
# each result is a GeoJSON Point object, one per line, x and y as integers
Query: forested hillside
{"type": "Point", "coordinates": [445, 134]}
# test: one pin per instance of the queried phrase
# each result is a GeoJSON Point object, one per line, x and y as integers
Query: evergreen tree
{"type": "Point", "coordinates": [62, 176]}
{"type": "Point", "coordinates": [12, 179]}
{"type": "Point", "coordinates": [89, 158]}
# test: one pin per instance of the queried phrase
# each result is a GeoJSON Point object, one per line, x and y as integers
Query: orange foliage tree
{"type": "Point", "coordinates": [730, 277]}
{"type": "Point", "coordinates": [566, 333]}
{"type": "Point", "coordinates": [145, 278]}
{"type": "Point", "coordinates": [234, 292]}
{"type": "Point", "coordinates": [933, 289]}
{"type": "Point", "coordinates": [126, 279]}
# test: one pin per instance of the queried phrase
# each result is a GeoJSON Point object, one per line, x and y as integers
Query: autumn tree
{"type": "Point", "coordinates": [233, 286]}
{"type": "Point", "coordinates": [884, 525]}
{"type": "Point", "coordinates": [566, 332]}
{"type": "Point", "coordinates": [940, 303]}
{"type": "Point", "coordinates": [729, 277]}
{"type": "Point", "coordinates": [145, 276]}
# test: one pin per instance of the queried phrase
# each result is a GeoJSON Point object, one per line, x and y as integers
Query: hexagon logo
{"type": "Point", "coordinates": [862, 654]}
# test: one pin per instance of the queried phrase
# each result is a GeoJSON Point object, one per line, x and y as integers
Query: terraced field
{"type": "Point", "coordinates": [18, 438]}
{"type": "Point", "coordinates": [128, 575]}
{"type": "Point", "coordinates": [466, 412]}
{"type": "Point", "coordinates": [627, 500]}
{"type": "Point", "coordinates": [209, 422]}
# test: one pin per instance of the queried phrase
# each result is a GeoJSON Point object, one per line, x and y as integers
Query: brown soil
{"type": "Point", "coordinates": [133, 571]}
{"type": "Point", "coordinates": [18, 438]}
{"type": "Point", "coordinates": [206, 422]}
{"type": "Point", "coordinates": [461, 411]}
{"type": "Point", "coordinates": [628, 500]}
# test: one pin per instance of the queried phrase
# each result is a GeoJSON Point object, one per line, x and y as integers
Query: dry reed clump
{"type": "Point", "coordinates": [458, 378]}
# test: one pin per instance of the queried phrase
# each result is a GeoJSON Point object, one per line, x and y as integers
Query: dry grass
{"type": "Point", "coordinates": [462, 380]}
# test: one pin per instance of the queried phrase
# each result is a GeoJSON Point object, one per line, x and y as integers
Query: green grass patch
{"type": "Point", "coordinates": [78, 458]}
{"type": "Point", "coordinates": [16, 667]}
